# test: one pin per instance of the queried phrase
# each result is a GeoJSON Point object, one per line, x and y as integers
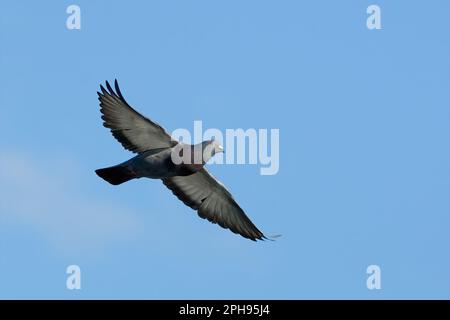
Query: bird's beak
{"type": "Point", "coordinates": [220, 149]}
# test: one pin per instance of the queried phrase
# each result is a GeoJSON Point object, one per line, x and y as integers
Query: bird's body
{"type": "Point", "coordinates": [179, 166]}
{"type": "Point", "coordinates": [152, 164]}
{"type": "Point", "coordinates": [155, 164]}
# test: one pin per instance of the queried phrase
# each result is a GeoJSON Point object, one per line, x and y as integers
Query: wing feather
{"type": "Point", "coordinates": [134, 131]}
{"type": "Point", "coordinates": [202, 192]}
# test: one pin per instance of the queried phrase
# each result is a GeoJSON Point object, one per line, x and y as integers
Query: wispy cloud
{"type": "Point", "coordinates": [47, 198]}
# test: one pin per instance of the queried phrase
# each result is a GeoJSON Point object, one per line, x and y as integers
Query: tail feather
{"type": "Point", "coordinates": [116, 175]}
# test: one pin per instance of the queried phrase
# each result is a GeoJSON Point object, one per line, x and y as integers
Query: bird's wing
{"type": "Point", "coordinates": [134, 131]}
{"type": "Point", "coordinates": [202, 192]}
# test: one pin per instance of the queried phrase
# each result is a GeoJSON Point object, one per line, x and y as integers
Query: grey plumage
{"type": "Point", "coordinates": [188, 180]}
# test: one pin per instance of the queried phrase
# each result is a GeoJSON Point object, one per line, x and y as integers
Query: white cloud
{"type": "Point", "coordinates": [49, 199]}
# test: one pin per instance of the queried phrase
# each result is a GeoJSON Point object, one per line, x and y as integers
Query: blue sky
{"type": "Point", "coordinates": [364, 148]}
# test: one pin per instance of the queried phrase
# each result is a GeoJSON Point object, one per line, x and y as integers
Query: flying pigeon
{"type": "Point", "coordinates": [181, 167]}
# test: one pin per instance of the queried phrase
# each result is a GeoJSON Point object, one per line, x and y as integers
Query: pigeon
{"type": "Point", "coordinates": [181, 167]}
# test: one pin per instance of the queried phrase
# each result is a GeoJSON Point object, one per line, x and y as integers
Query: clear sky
{"type": "Point", "coordinates": [364, 148]}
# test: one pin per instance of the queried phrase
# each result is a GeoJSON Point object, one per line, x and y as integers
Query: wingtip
{"type": "Point", "coordinates": [116, 85]}
{"type": "Point", "coordinates": [111, 91]}
{"type": "Point", "coordinates": [271, 238]}
{"type": "Point", "coordinates": [102, 88]}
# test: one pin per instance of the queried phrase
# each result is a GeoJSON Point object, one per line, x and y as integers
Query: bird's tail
{"type": "Point", "coordinates": [116, 174]}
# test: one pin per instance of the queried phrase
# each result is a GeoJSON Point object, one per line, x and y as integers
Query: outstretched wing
{"type": "Point", "coordinates": [202, 192]}
{"type": "Point", "coordinates": [134, 131]}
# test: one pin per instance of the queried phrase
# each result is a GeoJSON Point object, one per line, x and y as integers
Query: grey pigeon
{"type": "Point", "coordinates": [187, 179]}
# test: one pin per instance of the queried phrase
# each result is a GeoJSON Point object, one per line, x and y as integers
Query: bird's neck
{"type": "Point", "coordinates": [197, 155]}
